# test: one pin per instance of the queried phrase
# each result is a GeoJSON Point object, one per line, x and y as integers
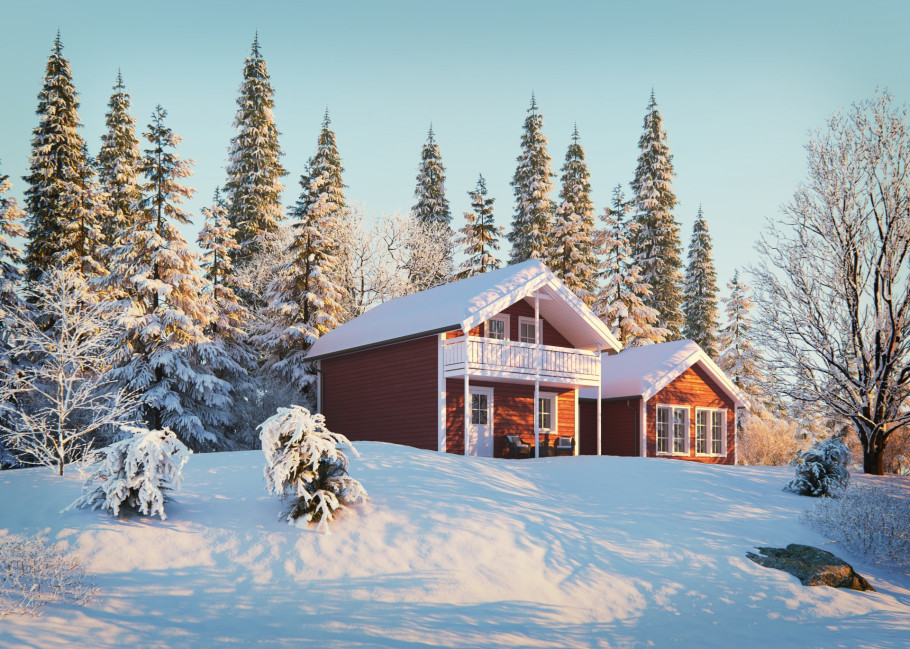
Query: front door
{"type": "Point", "coordinates": [480, 432]}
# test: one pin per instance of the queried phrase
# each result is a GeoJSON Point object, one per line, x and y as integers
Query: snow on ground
{"type": "Point", "coordinates": [453, 552]}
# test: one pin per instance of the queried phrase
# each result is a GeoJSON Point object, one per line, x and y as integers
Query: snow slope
{"type": "Point", "coordinates": [453, 552]}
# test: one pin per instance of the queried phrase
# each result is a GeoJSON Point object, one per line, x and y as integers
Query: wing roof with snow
{"type": "Point", "coordinates": [645, 371]}
{"type": "Point", "coordinates": [466, 304]}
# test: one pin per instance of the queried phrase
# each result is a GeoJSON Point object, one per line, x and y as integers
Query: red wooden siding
{"type": "Point", "coordinates": [521, 309]}
{"type": "Point", "coordinates": [619, 426]}
{"type": "Point", "coordinates": [693, 388]}
{"type": "Point", "coordinates": [384, 394]}
{"type": "Point", "coordinates": [513, 412]}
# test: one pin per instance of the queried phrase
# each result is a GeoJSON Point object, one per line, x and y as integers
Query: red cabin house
{"type": "Point", "coordinates": [405, 372]}
{"type": "Point", "coordinates": [666, 400]}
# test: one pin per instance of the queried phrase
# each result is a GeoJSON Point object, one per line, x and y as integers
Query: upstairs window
{"type": "Point", "coordinates": [498, 328]}
{"type": "Point", "coordinates": [527, 331]}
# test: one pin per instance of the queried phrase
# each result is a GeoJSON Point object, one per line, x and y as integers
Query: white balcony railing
{"type": "Point", "coordinates": [507, 357]}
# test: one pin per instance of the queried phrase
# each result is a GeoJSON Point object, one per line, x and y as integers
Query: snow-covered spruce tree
{"type": "Point", "coordinates": [739, 357]}
{"type": "Point", "coordinates": [322, 187]}
{"type": "Point", "coordinates": [228, 352]}
{"type": "Point", "coordinates": [60, 215]}
{"type": "Point", "coordinates": [254, 172]}
{"type": "Point", "coordinates": [655, 243]}
{"type": "Point", "coordinates": [304, 300]}
{"type": "Point", "coordinates": [305, 466]}
{"type": "Point", "coordinates": [432, 206]}
{"type": "Point", "coordinates": [572, 256]}
{"type": "Point", "coordinates": [10, 277]}
{"type": "Point", "coordinates": [620, 299]}
{"type": "Point", "coordinates": [137, 473]}
{"type": "Point", "coordinates": [532, 183]}
{"type": "Point", "coordinates": [61, 399]}
{"type": "Point", "coordinates": [700, 298]}
{"type": "Point", "coordinates": [118, 164]}
{"type": "Point", "coordinates": [480, 236]}
{"type": "Point", "coordinates": [164, 309]}
{"type": "Point", "coordinates": [822, 470]}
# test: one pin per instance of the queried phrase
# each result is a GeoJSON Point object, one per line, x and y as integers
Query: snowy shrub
{"type": "Point", "coordinates": [135, 473]}
{"type": "Point", "coordinates": [872, 520]}
{"type": "Point", "coordinates": [305, 466]}
{"type": "Point", "coordinates": [33, 573]}
{"type": "Point", "coordinates": [768, 441]}
{"type": "Point", "coordinates": [822, 470]}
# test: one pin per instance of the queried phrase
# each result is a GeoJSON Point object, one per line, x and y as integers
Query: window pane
{"type": "Point", "coordinates": [663, 430]}
{"type": "Point", "coordinates": [479, 409]}
{"type": "Point", "coordinates": [526, 332]}
{"type": "Point", "coordinates": [701, 432]}
{"type": "Point", "coordinates": [679, 430]}
{"type": "Point", "coordinates": [496, 329]}
{"type": "Point", "coordinates": [717, 432]}
{"type": "Point", "coordinates": [545, 419]}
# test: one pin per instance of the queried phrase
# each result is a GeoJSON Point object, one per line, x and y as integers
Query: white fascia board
{"type": "Point", "coordinates": [497, 305]}
{"type": "Point", "coordinates": [716, 373]}
{"type": "Point", "coordinates": [586, 314]}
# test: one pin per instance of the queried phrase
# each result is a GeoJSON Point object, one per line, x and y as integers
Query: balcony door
{"type": "Point", "coordinates": [480, 432]}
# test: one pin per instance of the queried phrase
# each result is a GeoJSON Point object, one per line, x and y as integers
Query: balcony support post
{"type": "Point", "coordinates": [537, 363]}
{"type": "Point", "coordinates": [467, 401]}
{"type": "Point", "coordinates": [599, 404]}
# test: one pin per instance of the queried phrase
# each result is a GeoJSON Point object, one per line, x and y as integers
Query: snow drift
{"type": "Point", "coordinates": [454, 552]}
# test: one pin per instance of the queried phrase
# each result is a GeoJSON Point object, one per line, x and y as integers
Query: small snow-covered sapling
{"type": "Point", "coordinates": [822, 470]}
{"type": "Point", "coordinates": [305, 466]}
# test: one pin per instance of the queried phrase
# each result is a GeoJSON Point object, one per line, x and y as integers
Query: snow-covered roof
{"type": "Point", "coordinates": [645, 371]}
{"type": "Point", "coordinates": [466, 304]}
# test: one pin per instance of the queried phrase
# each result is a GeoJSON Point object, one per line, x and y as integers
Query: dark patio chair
{"type": "Point", "coordinates": [564, 446]}
{"type": "Point", "coordinates": [515, 448]}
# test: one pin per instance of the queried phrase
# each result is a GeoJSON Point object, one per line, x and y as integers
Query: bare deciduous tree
{"type": "Point", "coordinates": [59, 398]}
{"type": "Point", "coordinates": [833, 280]}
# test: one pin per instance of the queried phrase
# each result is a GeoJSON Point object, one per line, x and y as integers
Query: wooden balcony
{"type": "Point", "coordinates": [510, 360]}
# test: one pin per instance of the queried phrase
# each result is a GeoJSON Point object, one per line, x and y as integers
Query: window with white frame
{"type": "Point", "coordinates": [498, 328]}
{"type": "Point", "coordinates": [546, 412]}
{"type": "Point", "coordinates": [480, 409]}
{"type": "Point", "coordinates": [709, 431]}
{"type": "Point", "coordinates": [527, 331]}
{"type": "Point", "coordinates": [672, 429]}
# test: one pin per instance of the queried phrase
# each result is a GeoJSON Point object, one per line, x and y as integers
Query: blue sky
{"type": "Point", "coordinates": [739, 85]}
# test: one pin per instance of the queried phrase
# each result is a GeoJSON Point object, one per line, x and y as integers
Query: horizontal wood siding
{"type": "Point", "coordinates": [619, 426]}
{"type": "Point", "coordinates": [513, 412]}
{"type": "Point", "coordinates": [521, 309]}
{"type": "Point", "coordinates": [693, 388]}
{"type": "Point", "coordinates": [384, 394]}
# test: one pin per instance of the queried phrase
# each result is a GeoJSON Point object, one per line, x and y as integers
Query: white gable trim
{"type": "Point", "coordinates": [739, 399]}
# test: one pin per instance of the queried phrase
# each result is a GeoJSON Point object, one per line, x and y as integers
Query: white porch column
{"type": "Point", "coordinates": [599, 405]}
{"type": "Point", "coordinates": [441, 396]}
{"type": "Point", "coordinates": [467, 399]}
{"type": "Point", "coordinates": [537, 339]}
{"type": "Point", "coordinates": [577, 419]}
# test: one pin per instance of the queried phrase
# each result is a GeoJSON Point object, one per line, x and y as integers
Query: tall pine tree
{"type": "Point", "coordinates": [572, 256]}
{"type": "Point", "coordinates": [532, 183]}
{"type": "Point", "coordinates": [254, 172]}
{"type": "Point", "coordinates": [480, 236]}
{"type": "Point", "coordinates": [432, 207]}
{"type": "Point", "coordinates": [621, 299]}
{"type": "Point", "coordinates": [118, 163]}
{"type": "Point", "coordinates": [739, 358]}
{"type": "Point", "coordinates": [165, 313]}
{"type": "Point", "coordinates": [656, 244]}
{"type": "Point", "coordinates": [700, 298]}
{"type": "Point", "coordinates": [304, 301]}
{"type": "Point", "coordinates": [60, 209]}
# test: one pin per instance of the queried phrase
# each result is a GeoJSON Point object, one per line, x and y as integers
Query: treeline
{"type": "Point", "coordinates": [210, 343]}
